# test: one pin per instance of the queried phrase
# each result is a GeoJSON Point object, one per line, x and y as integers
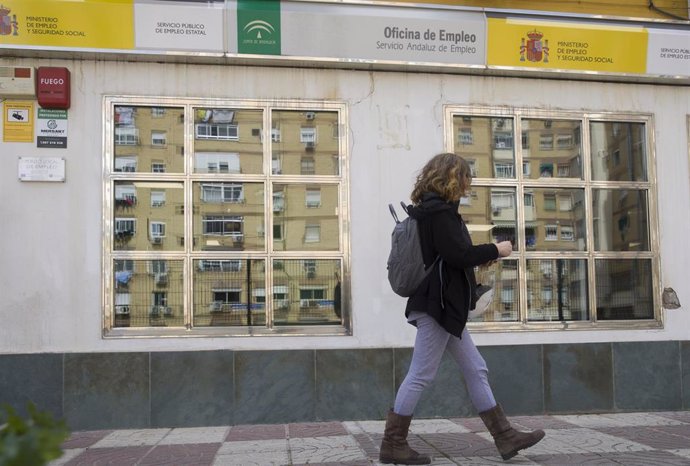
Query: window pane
{"type": "Point", "coordinates": [148, 216]}
{"type": "Point", "coordinates": [624, 289]}
{"type": "Point", "coordinates": [308, 215]}
{"type": "Point", "coordinates": [552, 147]}
{"type": "Point", "coordinates": [555, 219]}
{"type": "Point", "coordinates": [309, 291]}
{"type": "Point", "coordinates": [226, 292]}
{"type": "Point", "coordinates": [557, 289]}
{"type": "Point", "coordinates": [618, 151]}
{"type": "Point", "coordinates": [148, 293]}
{"type": "Point", "coordinates": [146, 140]}
{"type": "Point", "coordinates": [503, 277]}
{"type": "Point", "coordinates": [490, 214]}
{"type": "Point", "coordinates": [621, 220]}
{"type": "Point", "coordinates": [308, 142]}
{"type": "Point", "coordinates": [229, 216]}
{"type": "Point", "coordinates": [228, 140]}
{"type": "Point", "coordinates": [487, 143]}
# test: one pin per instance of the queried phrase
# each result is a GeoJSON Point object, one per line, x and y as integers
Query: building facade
{"type": "Point", "coordinates": [214, 249]}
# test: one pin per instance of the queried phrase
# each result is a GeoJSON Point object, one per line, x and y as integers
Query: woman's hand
{"type": "Point", "coordinates": [505, 248]}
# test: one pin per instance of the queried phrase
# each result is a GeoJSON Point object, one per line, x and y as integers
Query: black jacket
{"type": "Point", "coordinates": [447, 293]}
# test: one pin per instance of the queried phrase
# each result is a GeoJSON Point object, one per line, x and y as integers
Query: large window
{"type": "Point", "coordinates": [581, 221]}
{"type": "Point", "coordinates": [238, 234]}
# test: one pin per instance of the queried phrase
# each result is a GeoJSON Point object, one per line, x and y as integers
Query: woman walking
{"type": "Point", "coordinates": [439, 310]}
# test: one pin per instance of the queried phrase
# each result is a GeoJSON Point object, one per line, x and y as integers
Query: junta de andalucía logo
{"type": "Point", "coordinates": [259, 29]}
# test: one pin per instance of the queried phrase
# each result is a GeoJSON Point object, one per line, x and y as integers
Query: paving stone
{"type": "Point", "coordinates": [436, 426]}
{"type": "Point", "coordinates": [368, 445]}
{"type": "Point", "coordinates": [131, 437]}
{"type": "Point", "coordinates": [338, 463]}
{"type": "Point", "coordinates": [316, 429]}
{"type": "Point", "coordinates": [528, 423]}
{"type": "Point", "coordinates": [85, 439]}
{"type": "Point", "coordinates": [685, 453]}
{"type": "Point", "coordinates": [325, 449]}
{"type": "Point", "coordinates": [179, 455]}
{"type": "Point", "coordinates": [472, 424]}
{"type": "Point", "coordinates": [575, 459]}
{"type": "Point", "coordinates": [682, 416]}
{"type": "Point", "coordinates": [251, 446]}
{"type": "Point", "coordinates": [647, 458]}
{"type": "Point", "coordinates": [465, 444]}
{"type": "Point", "coordinates": [487, 460]}
{"type": "Point", "coordinates": [195, 435]}
{"type": "Point", "coordinates": [371, 427]}
{"type": "Point", "coordinates": [653, 437]}
{"type": "Point", "coordinates": [66, 456]}
{"type": "Point", "coordinates": [257, 458]}
{"type": "Point", "coordinates": [114, 456]}
{"type": "Point", "coordinates": [259, 432]}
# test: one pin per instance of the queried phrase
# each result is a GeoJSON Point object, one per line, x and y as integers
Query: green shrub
{"type": "Point", "coordinates": [33, 441]}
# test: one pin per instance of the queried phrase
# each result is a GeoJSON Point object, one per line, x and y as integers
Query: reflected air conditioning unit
{"type": "Point", "coordinates": [309, 147]}
{"type": "Point", "coordinates": [121, 310]}
{"type": "Point", "coordinates": [161, 278]}
{"type": "Point", "coordinates": [157, 311]}
{"type": "Point", "coordinates": [215, 306]}
{"type": "Point", "coordinates": [310, 115]}
{"type": "Point", "coordinates": [156, 240]}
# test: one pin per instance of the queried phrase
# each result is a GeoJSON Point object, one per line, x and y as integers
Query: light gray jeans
{"type": "Point", "coordinates": [431, 342]}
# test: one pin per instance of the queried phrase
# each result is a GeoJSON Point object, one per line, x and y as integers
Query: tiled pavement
{"type": "Point", "coordinates": [645, 439]}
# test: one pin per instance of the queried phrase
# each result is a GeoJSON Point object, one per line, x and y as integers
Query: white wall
{"type": "Point", "coordinates": [50, 241]}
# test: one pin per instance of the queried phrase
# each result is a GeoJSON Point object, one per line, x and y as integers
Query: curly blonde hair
{"type": "Point", "coordinates": [446, 174]}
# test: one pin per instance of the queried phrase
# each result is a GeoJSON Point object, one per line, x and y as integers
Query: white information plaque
{"type": "Point", "coordinates": [41, 169]}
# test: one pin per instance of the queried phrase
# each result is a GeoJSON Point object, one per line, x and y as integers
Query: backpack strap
{"type": "Point", "coordinates": [395, 216]}
{"type": "Point", "coordinates": [404, 206]}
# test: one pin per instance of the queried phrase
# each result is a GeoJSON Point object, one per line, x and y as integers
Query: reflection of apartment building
{"type": "Point", "coordinates": [552, 216]}
{"type": "Point", "coordinates": [147, 293]}
{"type": "Point", "coordinates": [250, 215]}
{"type": "Point", "coordinates": [233, 292]}
{"type": "Point", "coordinates": [148, 139]}
{"type": "Point", "coordinates": [148, 216]}
{"type": "Point", "coordinates": [621, 158]}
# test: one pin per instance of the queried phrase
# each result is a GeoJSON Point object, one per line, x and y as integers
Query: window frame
{"type": "Point", "coordinates": [126, 135]}
{"type": "Point", "coordinates": [312, 197]}
{"type": "Point", "coordinates": [307, 135]}
{"type": "Point", "coordinates": [184, 251]}
{"type": "Point", "coordinates": [455, 115]}
{"type": "Point", "coordinates": [159, 138]}
{"type": "Point", "coordinates": [219, 131]}
{"type": "Point", "coordinates": [465, 136]}
{"type": "Point", "coordinates": [158, 197]}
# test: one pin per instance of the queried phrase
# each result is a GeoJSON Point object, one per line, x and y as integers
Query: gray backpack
{"type": "Point", "coordinates": [405, 262]}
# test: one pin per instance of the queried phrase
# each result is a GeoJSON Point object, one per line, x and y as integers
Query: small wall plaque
{"type": "Point", "coordinates": [41, 169]}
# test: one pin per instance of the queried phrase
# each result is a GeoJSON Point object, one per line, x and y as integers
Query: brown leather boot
{"type": "Point", "coordinates": [394, 447]}
{"type": "Point", "coordinates": [508, 440]}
